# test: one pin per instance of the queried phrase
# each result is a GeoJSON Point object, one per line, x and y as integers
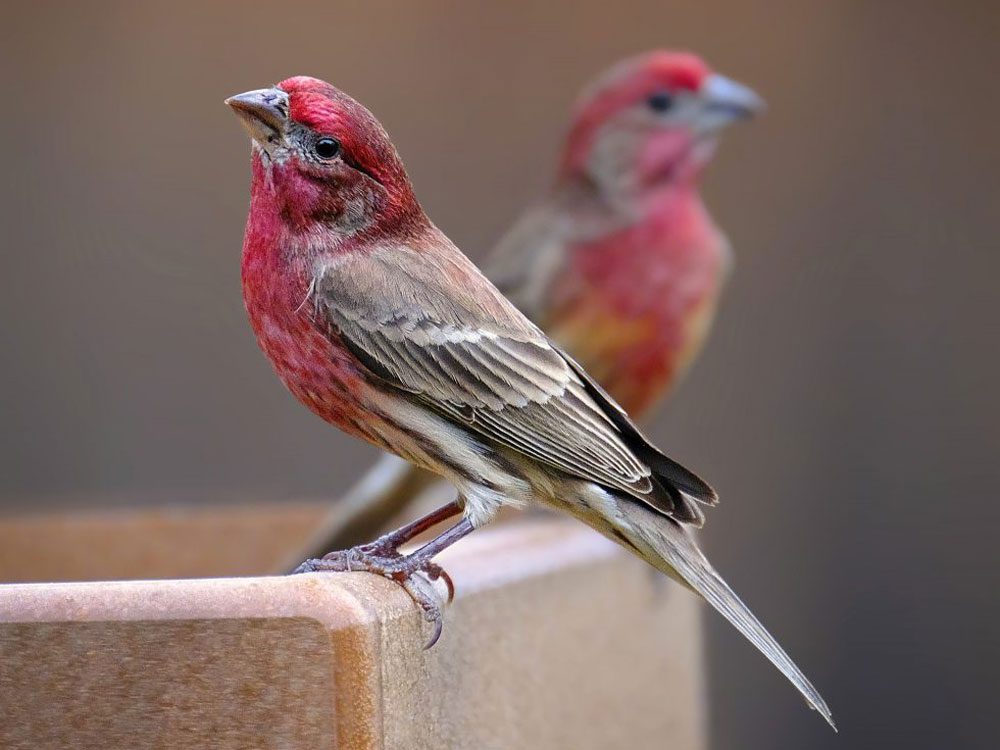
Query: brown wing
{"type": "Point", "coordinates": [533, 252]}
{"type": "Point", "coordinates": [469, 355]}
{"type": "Point", "coordinates": [527, 259]}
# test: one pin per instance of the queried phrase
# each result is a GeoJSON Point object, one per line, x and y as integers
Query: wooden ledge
{"type": "Point", "coordinates": [556, 639]}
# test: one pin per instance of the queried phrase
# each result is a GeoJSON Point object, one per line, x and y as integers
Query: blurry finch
{"type": "Point", "coordinates": [620, 264]}
{"type": "Point", "coordinates": [382, 327]}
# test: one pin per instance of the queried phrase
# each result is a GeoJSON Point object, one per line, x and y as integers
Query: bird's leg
{"type": "Point", "coordinates": [383, 558]}
{"type": "Point", "coordinates": [402, 572]}
{"type": "Point", "coordinates": [392, 541]}
{"type": "Point", "coordinates": [387, 545]}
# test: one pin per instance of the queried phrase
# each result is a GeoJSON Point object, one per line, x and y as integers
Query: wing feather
{"type": "Point", "coordinates": [480, 363]}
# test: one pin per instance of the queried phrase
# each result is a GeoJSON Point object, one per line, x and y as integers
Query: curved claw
{"type": "Point", "coordinates": [438, 627]}
{"type": "Point", "coordinates": [450, 584]}
{"type": "Point", "coordinates": [422, 592]}
{"type": "Point", "coordinates": [435, 572]}
{"type": "Point", "coordinates": [399, 568]}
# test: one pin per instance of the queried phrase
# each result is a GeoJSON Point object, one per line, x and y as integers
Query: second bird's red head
{"type": "Point", "coordinates": [651, 119]}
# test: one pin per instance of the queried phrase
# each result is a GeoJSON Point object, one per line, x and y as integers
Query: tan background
{"type": "Point", "coordinates": [846, 407]}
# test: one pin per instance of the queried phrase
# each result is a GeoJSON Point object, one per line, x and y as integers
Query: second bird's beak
{"type": "Point", "coordinates": [724, 100]}
{"type": "Point", "coordinates": [264, 113]}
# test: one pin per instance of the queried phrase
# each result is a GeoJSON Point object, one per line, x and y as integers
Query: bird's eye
{"type": "Point", "coordinates": [660, 101]}
{"type": "Point", "coordinates": [327, 148]}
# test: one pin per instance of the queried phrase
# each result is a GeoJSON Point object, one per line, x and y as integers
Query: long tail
{"type": "Point", "coordinates": [671, 548]}
{"type": "Point", "coordinates": [360, 515]}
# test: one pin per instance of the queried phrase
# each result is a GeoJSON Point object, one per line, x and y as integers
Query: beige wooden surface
{"type": "Point", "coordinates": [556, 640]}
{"type": "Point", "coordinates": [167, 542]}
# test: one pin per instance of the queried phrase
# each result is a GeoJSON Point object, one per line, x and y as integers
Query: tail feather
{"type": "Point", "coordinates": [671, 548]}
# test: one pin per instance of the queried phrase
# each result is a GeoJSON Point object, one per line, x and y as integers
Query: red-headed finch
{"type": "Point", "coordinates": [382, 327]}
{"type": "Point", "coordinates": [620, 263]}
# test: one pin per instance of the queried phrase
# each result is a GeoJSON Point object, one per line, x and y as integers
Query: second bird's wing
{"type": "Point", "coordinates": [430, 325]}
{"type": "Point", "coordinates": [527, 259]}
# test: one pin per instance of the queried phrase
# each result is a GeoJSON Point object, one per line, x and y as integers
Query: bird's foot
{"type": "Point", "coordinates": [414, 573]}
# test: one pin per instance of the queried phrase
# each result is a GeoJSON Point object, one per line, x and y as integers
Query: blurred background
{"type": "Point", "coordinates": [845, 406]}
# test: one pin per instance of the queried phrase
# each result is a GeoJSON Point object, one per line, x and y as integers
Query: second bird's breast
{"type": "Point", "coordinates": [636, 311]}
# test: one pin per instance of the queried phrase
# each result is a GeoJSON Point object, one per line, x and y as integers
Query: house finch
{"type": "Point", "coordinates": [382, 327]}
{"type": "Point", "coordinates": [620, 263]}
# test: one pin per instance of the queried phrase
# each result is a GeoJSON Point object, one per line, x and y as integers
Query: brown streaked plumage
{"type": "Point", "coordinates": [452, 340]}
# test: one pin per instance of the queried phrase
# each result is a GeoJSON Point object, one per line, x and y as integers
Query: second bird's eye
{"type": "Point", "coordinates": [660, 101]}
{"type": "Point", "coordinates": [327, 148]}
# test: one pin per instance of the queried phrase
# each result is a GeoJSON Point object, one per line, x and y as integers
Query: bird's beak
{"type": "Point", "coordinates": [724, 100]}
{"type": "Point", "coordinates": [264, 113]}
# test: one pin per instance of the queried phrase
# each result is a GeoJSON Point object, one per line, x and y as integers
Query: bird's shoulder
{"type": "Point", "coordinates": [429, 281]}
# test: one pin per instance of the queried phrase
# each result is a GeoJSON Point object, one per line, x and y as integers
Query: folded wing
{"type": "Point", "coordinates": [428, 328]}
